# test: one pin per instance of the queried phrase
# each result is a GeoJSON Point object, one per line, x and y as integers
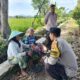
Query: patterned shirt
{"type": "Point", "coordinates": [29, 40]}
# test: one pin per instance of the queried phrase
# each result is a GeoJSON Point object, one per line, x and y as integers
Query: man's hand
{"type": "Point", "coordinates": [30, 53]}
{"type": "Point", "coordinates": [44, 48]}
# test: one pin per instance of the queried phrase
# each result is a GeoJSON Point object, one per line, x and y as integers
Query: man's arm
{"type": "Point", "coordinates": [56, 17]}
{"type": "Point", "coordinates": [54, 55]}
{"type": "Point", "coordinates": [24, 45]}
{"type": "Point", "coordinates": [46, 17]}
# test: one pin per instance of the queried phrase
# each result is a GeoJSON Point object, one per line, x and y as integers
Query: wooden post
{"type": "Point", "coordinates": [5, 29]}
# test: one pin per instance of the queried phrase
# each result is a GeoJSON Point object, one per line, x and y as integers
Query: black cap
{"type": "Point", "coordinates": [52, 5]}
{"type": "Point", "coordinates": [56, 31]}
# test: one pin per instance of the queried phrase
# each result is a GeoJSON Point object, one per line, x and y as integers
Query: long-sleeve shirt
{"type": "Point", "coordinates": [14, 50]}
{"type": "Point", "coordinates": [50, 20]}
{"type": "Point", "coordinates": [68, 57]}
{"type": "Point", "coordinates": [64, 55]}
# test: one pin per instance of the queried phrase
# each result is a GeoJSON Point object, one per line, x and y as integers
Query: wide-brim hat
{"type": "Point", "coordinates": [14, 34]}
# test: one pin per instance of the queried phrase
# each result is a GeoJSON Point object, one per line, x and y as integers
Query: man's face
{"type": "Point", "coordinates": [18, 38]}
{"type": "Point", "coordinates": [51, 35]}
{"type": "Point", "coordinates": [52, 9]}
{"type": "Point", "coordinates": [31, 33]}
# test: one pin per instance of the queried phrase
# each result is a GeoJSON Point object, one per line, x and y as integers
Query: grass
{"type": "Point", "coordinates": [22, 24]}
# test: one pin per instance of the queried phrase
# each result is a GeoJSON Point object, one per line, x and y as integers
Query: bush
{"type": "Point", "coordinates": [3, 47]}
{"type": "Point", "coordinates": [76, 14]}
{"type": "Point", "coordinates": [3, 50]}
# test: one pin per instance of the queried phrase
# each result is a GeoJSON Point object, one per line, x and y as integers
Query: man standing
{"type": "Point", "coordinates": [51, 18]}
{"type": "Point", "coordinates": [50, 21]}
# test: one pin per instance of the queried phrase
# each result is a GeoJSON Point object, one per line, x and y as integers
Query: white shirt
{"type": "Point", "coordinates": [14, 50]}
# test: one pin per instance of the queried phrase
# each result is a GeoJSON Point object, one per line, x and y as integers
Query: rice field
{"type": "Point", "coordinates": [22, 24]}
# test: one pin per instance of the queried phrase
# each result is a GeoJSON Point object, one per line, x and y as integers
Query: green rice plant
{"type": "Point", "coordinates": [22, 24]}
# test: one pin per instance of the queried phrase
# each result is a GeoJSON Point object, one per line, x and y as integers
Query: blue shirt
{"type": "Point", "coordinates": [29, 40]}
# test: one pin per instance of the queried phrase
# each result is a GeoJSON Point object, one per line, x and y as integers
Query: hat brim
{"type": "Point", "coordinates": [12, 36]}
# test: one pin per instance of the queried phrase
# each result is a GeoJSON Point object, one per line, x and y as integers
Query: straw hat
{"type": "Point", "coordinates": [14, 34]}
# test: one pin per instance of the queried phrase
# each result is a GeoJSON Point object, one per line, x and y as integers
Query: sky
{"type": "Point", "coordinates": [24, 7]}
